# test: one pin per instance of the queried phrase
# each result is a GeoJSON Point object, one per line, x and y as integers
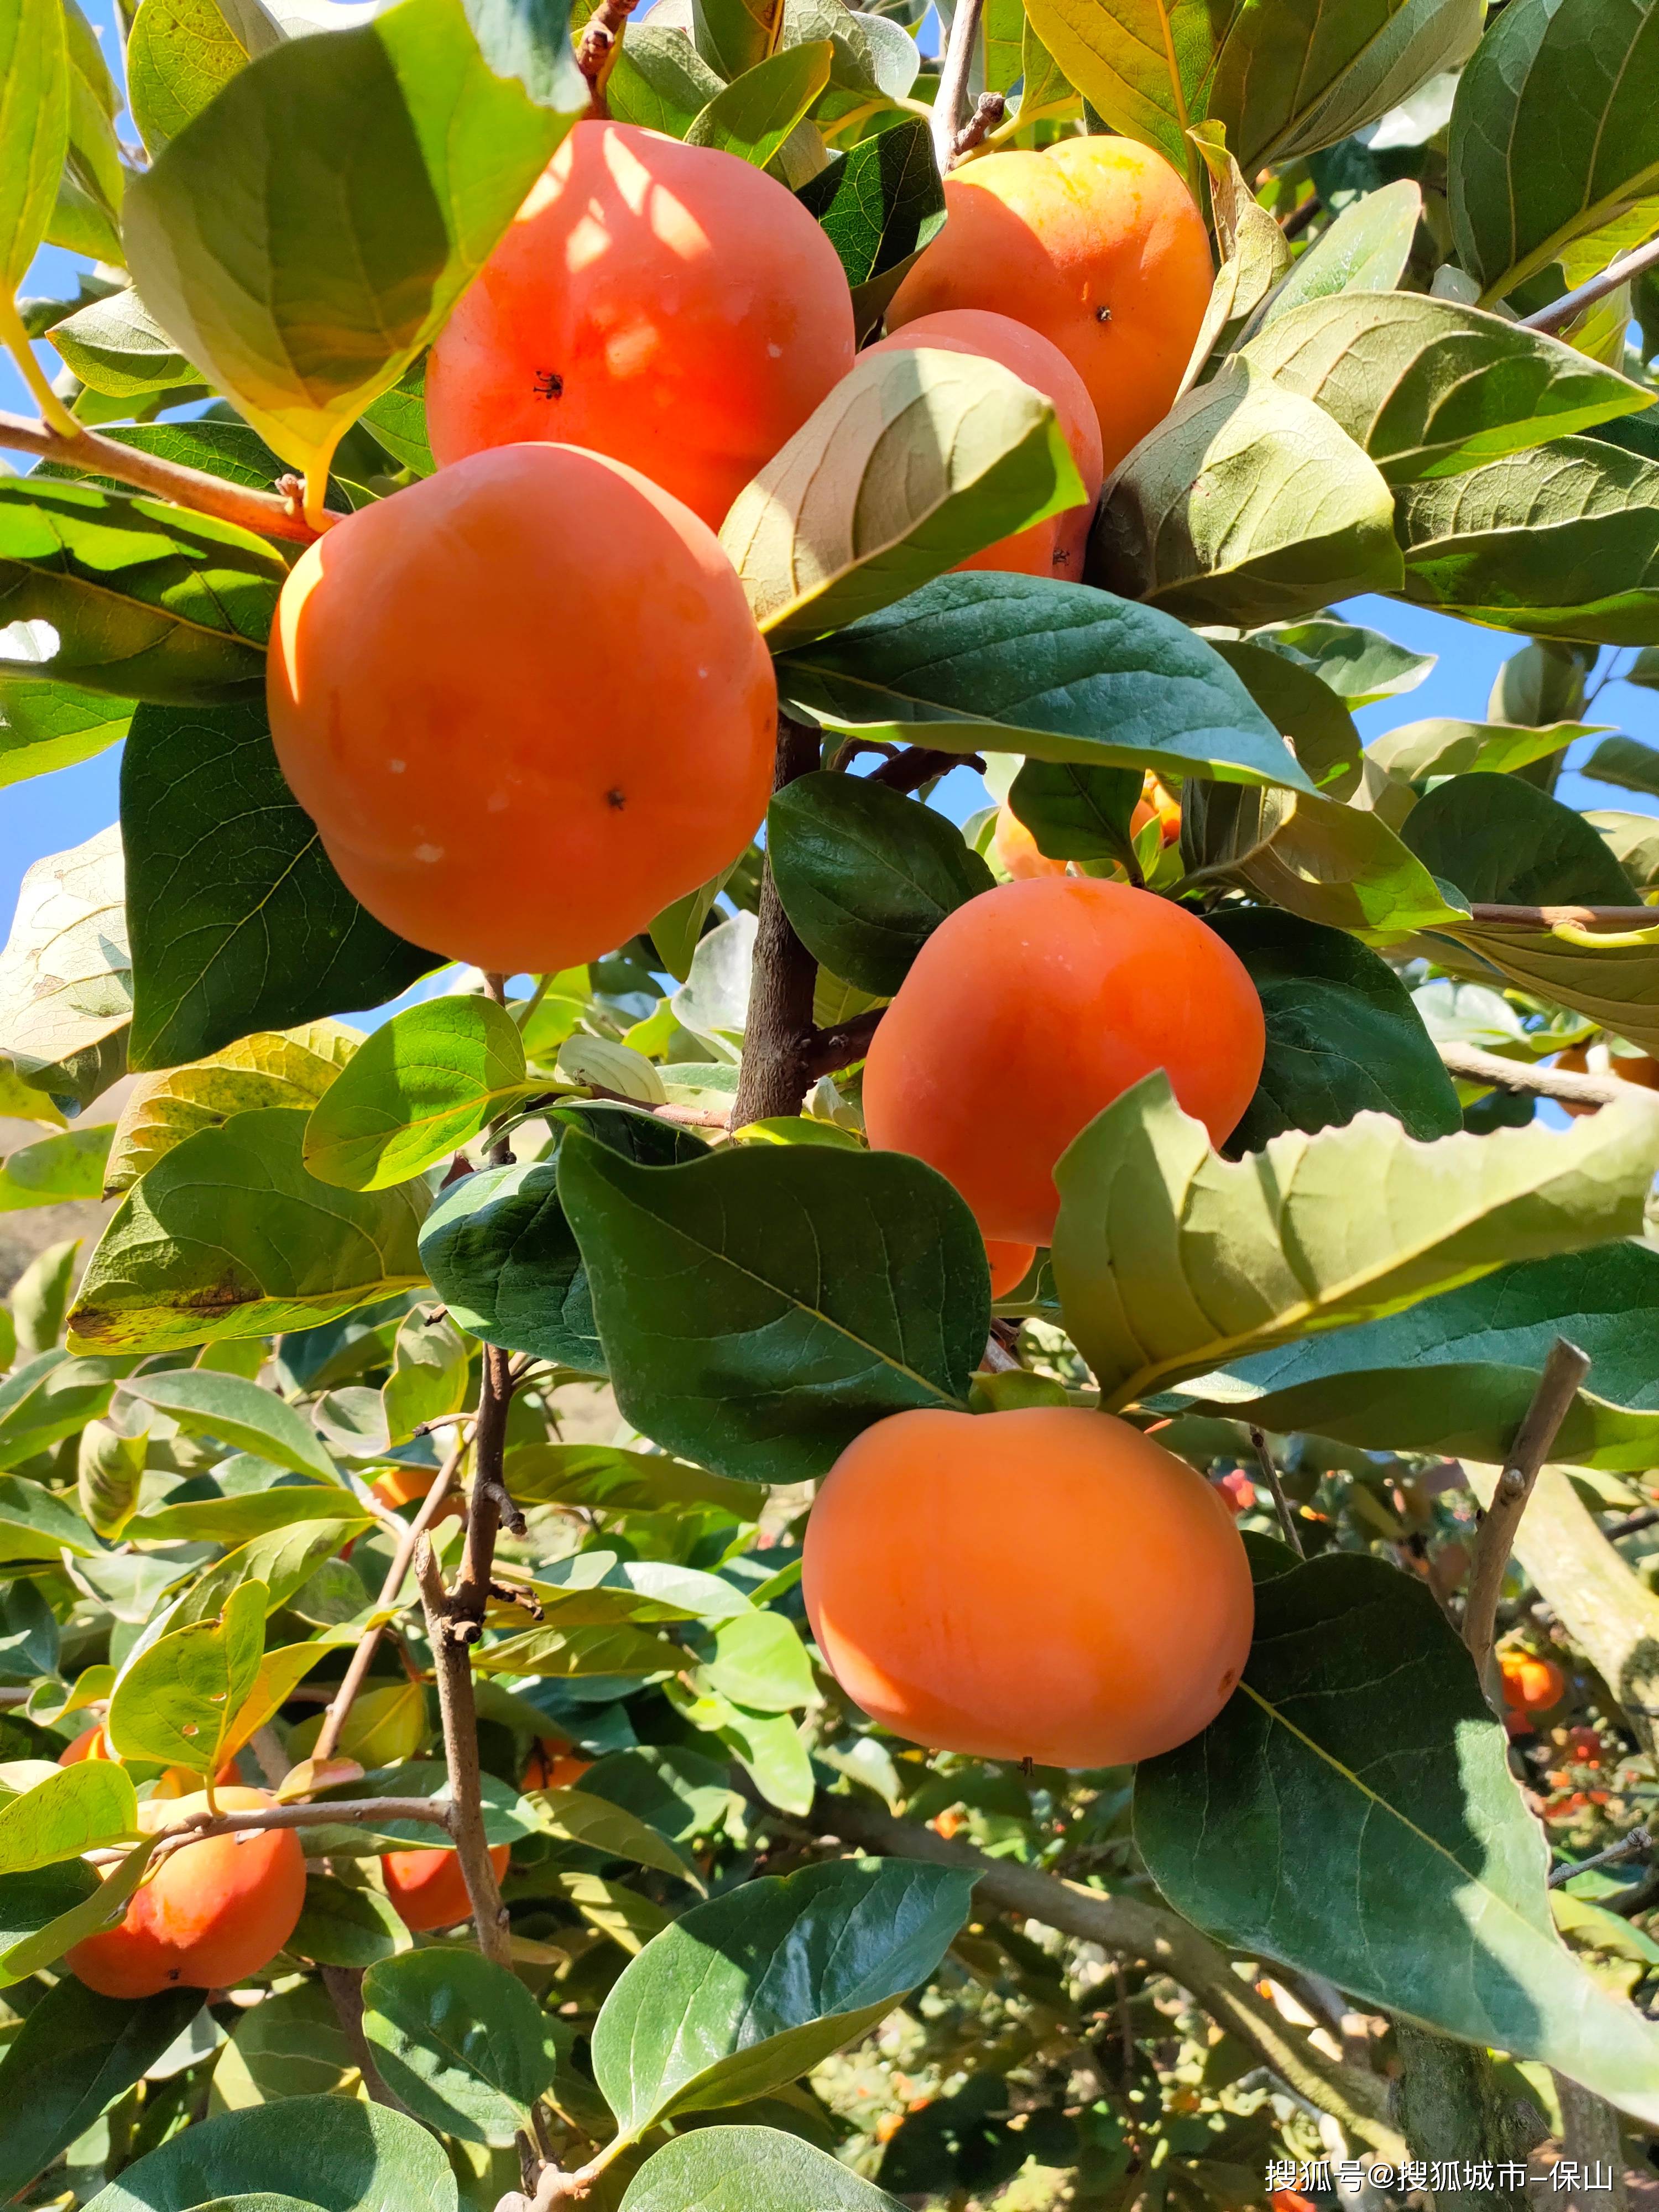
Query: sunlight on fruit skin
{"type": "Point", "coordinates": [1054, 548]}
{"type": "Point", "coordinates": [1046, 1583]}
{"type": "Point", "coordinates": [1096, 243]}
{"type": "Point", "coordinates": [526, 704]}
{"type": "Point", "coordinates": [428, 1889]}
{"type": "Point", "coordinates": [212, 1914]}
{"type": "Point", "coordinates": [1027, 1011]}
{"type": "Point", "coordinates": [669, 304]}
{"type": "Point", "coordinates": [1010, 1264]}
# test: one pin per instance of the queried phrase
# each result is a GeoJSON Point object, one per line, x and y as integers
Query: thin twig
{"type": "Point", "coordinates": [391, 1590]}
{"type": "Point", "coordinates": [775, 1075]}
{"type": "Point", "coordinates": [1560, 312]}
{"type": "Point", "coordinates": [1281, 1504]}
{"type": "Point", "coordinates": [988, 112]}
{"type": "Point", "coordinates": [1628, 1847]}
{"type": "Point", "coordinates": [1581, 917]}
{"type": "Point", "coordinates": [1299, 219]}
{"type": "Point", "coordinates": [1529, 1080]}
{"type": "Point", "coordinates": [1632, 1524]}
{"type": "Point", "coordinates": [266, 511]}
{"type": "Point", "coordinates": [828, 1050]}
{"type": "Point", "coordinates": [344, 1985]}
{"type": "Point", "coordinates": [918, 765]}
{"type": "Point", "coordinates": [597, 49]}
{"type": "Point", "coordinates": [1564, 1370]}
{"type": "Point", "coordinates": [453, 1665]}
{"type": "Point", "coordinates": [349, 1812]}
{"type": "Point", "coordinates": [491, 1504]}
{"type": "Point", "coordinates": [954, 72]}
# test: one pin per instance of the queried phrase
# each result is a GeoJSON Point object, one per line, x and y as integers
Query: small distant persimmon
{"type": "Point", "coordinates": [211, 1914]}
{"type": "Point", "coordinates": [1637, 1067]}
{"type": "Point", "coordinates": [1531, 1685]}
{"type": "Point", "coordinates": [1096, 243]}
{"type": "Point", "coordinates": [553, 1764]}
{"type": "Point", "coordinates": [1056, 547]}
{"type": "Point", "coordinates": [428, 1889]}
{"type": "Point", "coordinates": [1027, 1011]}
{"type": "Point", "coordinates": [952, 1575]}
{"type": "Point", "coordinates": [669, 305]}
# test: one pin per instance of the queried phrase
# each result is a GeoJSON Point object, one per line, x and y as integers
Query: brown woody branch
{"type": "Point", "coordinates": [988, 113]}
{"type": "Point", "coordinates": [452, 1660]}
{"type": "Point", "coordinates": [955, 70]}
{"type": "Point", "coordinates": [270, 513]}
{"type": "Point", "coordinates": [1561, 311]}
{"type": "Point", "coordinates": [350, 1812]}
{"type": "Point", "coordinates": [1529, 1080]}
{"type": "Point", "coordinates": [918, 765]}
{"type": "Point", "coordinates": [491, 1504]}
{"type": "Point", "coordinates": [344, 1985]}
{"type": "Point", "coordinates": [828, 1049]}
{"type": "Point", "coordinates": [1582, 917]}
{"type": "Point", "coordinates": [597, 49]}
{"type": "Point", "coordinates": [776, 1071]}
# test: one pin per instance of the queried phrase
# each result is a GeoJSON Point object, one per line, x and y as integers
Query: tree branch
{"type": "Point", "coordinates": [1561, 311]}
{"type": "Point", "coordinates": [491, 1503]}
{"type": "Point", "coordinates": [598, 47]}
{"type": "Point", "coordinates": [840, 1047]}
{"type": "Point", "coordinates": [452, 1663]}
{"type": "Point", "coordinates": [776, 1067]}
{"type": "Point", "coordinates": [918, 765]}
{"type": "Point", "coordinates": [348, 1812]}
{"type": "Point", "coordinates": [1530, 1081]}
{"type": "Point", "coordinates": [1453, 2108]}
{"type": "Point", "coordinates": [988, 113]}
{"type": "Point", "coordinates": [1276, 1490]}
{"type": "Point", "coordinates": [954, 72]}
{"type": "Point", "coordinates": [1564, 1370]}
{"type": "Point", "coordinates": [344, 1985]}
{"type": "Point", "coordinates": [270, 513]}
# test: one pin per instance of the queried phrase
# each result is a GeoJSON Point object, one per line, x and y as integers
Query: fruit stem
{"type": "Point", "coordinates": [1281, 1504]}
{"type": "Point", "coordinates": [953, 76]}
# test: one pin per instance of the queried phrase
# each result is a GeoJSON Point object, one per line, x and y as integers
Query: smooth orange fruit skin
{"type": "Point", "coordinates": [91, 1743]}
{"type": "Point", "coordinates": [428, 1889]}
{"type": "Point", "coordinates": [1056, 547]}
{"type": "Point", "coordinates": [1056, 238]}
{"type": "Point", "coordinates": [1010, 1264]}
{"type": "Point", "coordinates": [669, 304]}
{"type": "Point", "coordinates": [1017, 852]}
{"type": "Point", "coordinates": [526, 704]}
{"type": "Point", "coordinates": [407, 1486]}
{"type": "Point", "coordinates": [553, 1766]}
{"type": "Point", "coordinates": [1047, 1584]}
{"type": "Point", "coordinates": [1533, 1685]}
{"type": "Point", "coordinates": [212, 1914]}
{"type": "Point", "coordinates": [1027, 1011]}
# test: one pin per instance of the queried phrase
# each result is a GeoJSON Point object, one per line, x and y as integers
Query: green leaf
{"type": "Point", "coordinates": [342, 1927]}
{"type": "Point", "coordinates": [460, 2041]}
{"type": "Point", "coordinates": [1560, 542]}
{"type": "Point", "coordinates": [149, 602]}
{"type": "Point", "coordinates": [1360, 665]}
{"type": "Point", "coordinates": [725, 2169]}
{"type": "Point", "coordinates": [237, 1520]}
{"type": "Point", "coordinates": [733, 35]}
{"type": "Point", "coordinates": [415, 1089]}
{"type": "Point", "coordinates": [430, 1373]}
{"type": "Point", "coordinates": [275, 1564]}
{"type": "Point", "coordinates": [1253, 249]}
{"type": "Point", "coordinates": [761, 1307]}
{"type": "Point", "coordinates": [752, 116]}
{"type": "Point", "coordinates": [1297, 700]}
{"type": "Point", "coordinates": [228, 450]}
{"type": "Point", "coordinates": [45, 726]}
{"type": "Point", "coordinates": [1376, 1836]}
{"type": "Point", "coordinates": [660, 80]}
{"type": "Point", "coordinates": [1345, 1225]}
{"type": "Point", "coordinates": [1247, 503]}
{"type": "Point", "coordinates": [529, 41]}
{"type": "Point", "coordinates": [238, 1414]}
{"type": "Point", "coordinates": [1077, 813]}
{"type": "Point", "coordinates": [182, 53]}
{"type": "Point", "coordinates": [74, 2054]}
{"type": "Point", "coordinates": [289, 2044]}
{"type": "Point", "coordinates": [76, 1808]}
{"type": "Point", "coordinates": [1504, 843]}
{"type": "Point", "coordinates": [916, 459]}
{"type": "Point", "coordinates": [1366, 250]}
{"type": "Point", "coordinates": [1418, 751]}
{"type": "Point", "coordinates": [65, 988]}
{"type": "Point", "coordinates": [397, 420]}
{"type": "Point", "coordinates": [114, 345]}
{"type": "Point", "coordinates": [34, 121]}
{"type": "Point", "coordinates": [307, 316]}
{"type": "Point", "coordinates": [747, 1992]}
{"type": "Point", "coordinates": [575, 1817]}
{"type": "Point", "coordinates": [608, 1480]}
{"type": "Point", "coordinates": [1057, 671]}
{"type": "Point", "coordinates": [239, 921]}
{"type": "Point", "coordinates": [864, 875]}
{"type": "Point", "coordinates": [1429, 389]}
{"type": "Point", "coordinates": [757, 1660]}
{"type": "Point", "coordinates": [229, 1236]}
{"type": "Point", "coordinates": [1612, 980]}
{"type": "Point", "coordinates": [1455, 1374]}
{"type": "Point", "coordinates": [502, 1257]}
{"type": "Point", "coordinates": [1625, 762]}
{"type": "Point", "coordinates": [1523, 182]}
{"type": "Point", "coordinates": [52, 1918]}
{"type": "Point", "coordinates": [109, 1474]}
{"type": "Point", "coordinates": [291, 1067]}
{"type": "Point", "coordinates": [1343, 1036]}
{"type": "Point", "coordinates": [333, 2152]}
{"type": "Point", "coordinates": [873, 55]}
{"type": "Point", "coordinates": [56, 1169]}
{"type": "Point", "coordinates": [46, 1400]}
{"type": "Point", "coordinates": [174, 1702]}
{"type": "Point", "coordinates": [879, 204]}
{"type": "Point", "coordinates": [612, 1650]}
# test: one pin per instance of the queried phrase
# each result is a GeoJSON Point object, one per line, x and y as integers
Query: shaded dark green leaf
{"type": "Point", "coordinates": [333, 2152]}
{"type": "Point", "coordinates": [1503, 842]}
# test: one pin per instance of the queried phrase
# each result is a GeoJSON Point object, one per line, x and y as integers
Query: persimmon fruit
{"type": "Point", "coordinates": [1096, 243]}
{"type": "Point", "coordinates": [553, 1764]}
{"type": "Point", "coordinates": [669, 304]}
{"type": "Point", "coordinates": [91, 1743]}
{"type": "Point", "coordinates": [1010, 1264]}
{"type": "Point", "coordinates": [1016, 851]}
{"type": "Point", "coordinates": [1046, 1583]}
{"type": "Point", "coordinates": [1637, 1067]}
{"type": "Point", "coordinates": [175, 1782]}
{"type": "Point", "coordinates": [1056, 547]}
{"type": "Point", "coordinates": [211, 1914]}
{"type": "Point", "coordinates": [407, 1485]}
{"type": "Point", "coordinates": [428, 1889]}
{"type": "Point", "coordinates": [1531, 1686]}
{"type": "Point", "coordinates": [526, 704]}
{"type": "Point", "coordinates": [1029, 1010]}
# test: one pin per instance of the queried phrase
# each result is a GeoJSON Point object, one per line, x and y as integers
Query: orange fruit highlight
{"type": "Point", "coordinates": [953, 1578]}
{"type": "Point", "coordinates": [210, 1915]}
{"type": "Point", "coordinates": [1097, 244]}
{"type": "Point", "coordinates": [1010, 1266]}
{"type": "Point", "coordinates": [526, 704]}
{"type": "Point", "coordinates": [669, 304]}
{"type": "Point", "coordinates": [1053, 548]}
{"type": "Point", "coordinates": [428, 1889]}
{"type": "Point", "coordinates": [1033, 1006]}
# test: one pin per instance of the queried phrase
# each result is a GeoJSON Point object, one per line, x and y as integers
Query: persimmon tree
{"type": "Point", "coordinates": [425, 1782]}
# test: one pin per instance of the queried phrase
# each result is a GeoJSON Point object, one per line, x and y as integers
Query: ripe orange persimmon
{"type": "Point", "coordinates": [91, 1743]}
{"type": "Point", "coordinates": [1031, 1008]}
{"type": "Point", "coordinates": [553, 1764]}
{"type": "Point", "coordinates": [1010, 1266]}
{"type": "Point", "coordinates": [1637, 1067]}
{"type": "Point", "coordinates": [407, 1485]}
{"type": "Point", "coordinates": [210, 1915]}
{"type": "Point", "coordinates": [526, 704]}
{"type": "Point", "coordinates": [175, 1781]}
{"type": "Point", "coordinates": [1053, 548]}
{"type": "Point", "coordinates": [1531, 1686]}
{"type": "Point", "coordinates": [1048, 1584]}
{"type": "Point", "coordinates": [1016, 850]}
{"type": "Point", "coordinates": [669, 304]}
{"type": "Point", "coordinates": [1097, 244]}
{"type": "Point", "coordinates": [428, 1889]}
